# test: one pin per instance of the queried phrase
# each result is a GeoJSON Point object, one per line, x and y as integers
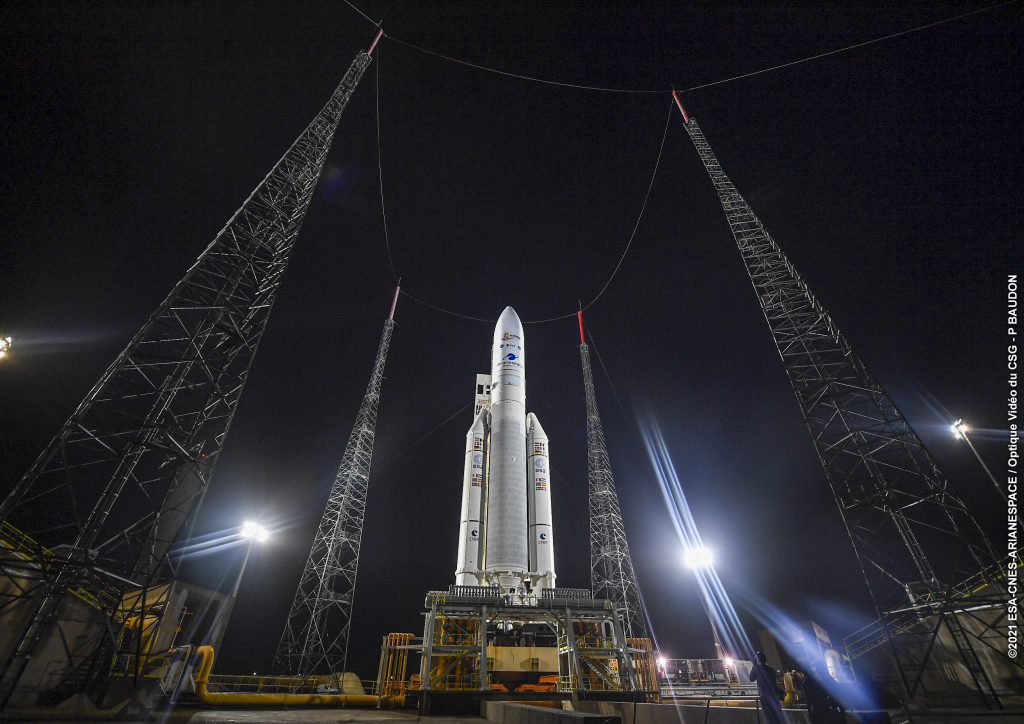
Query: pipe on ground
{"type": "Point", "coordinates": [213, 698]}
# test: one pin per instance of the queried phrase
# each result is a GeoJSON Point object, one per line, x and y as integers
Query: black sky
{"type": "Point", "coordinates": [890, 175]}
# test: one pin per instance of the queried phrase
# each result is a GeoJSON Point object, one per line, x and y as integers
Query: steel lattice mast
{"type": "Point", "coordinates": [315, 638]}
{"type": "Point", "coordinates": [126, 473]}
{"type": "Point", "coordinates": [920, 549]}
{"type": "Point", "coordinates": [611, 568]}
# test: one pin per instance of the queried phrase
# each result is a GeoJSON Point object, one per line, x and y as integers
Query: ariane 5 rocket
{"type": "Point", "coordinates": [505, 536]}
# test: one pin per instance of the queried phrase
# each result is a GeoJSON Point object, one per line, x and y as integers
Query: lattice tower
{"type": "Point", "coordinates": [316, 634]}
{"type": "Point", "coordinates": [123, 478]}
{"type": "Point", "coordinates": [919, 548]}
{"type": "Point", "coordinates": [611, 567]}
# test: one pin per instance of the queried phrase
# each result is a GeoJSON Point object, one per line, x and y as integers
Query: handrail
{"type": "Point", "coordinates": [202, 681]}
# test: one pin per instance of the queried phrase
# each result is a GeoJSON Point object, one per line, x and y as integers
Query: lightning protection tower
{"type": "Point", "coordinates": [932, 575]}
{"type": "Point", "coordinates": [97, 512]}
{"type": "Point", "coordinates": [611, 568]}
{"type": "Point", "coordinates": [315, 638]}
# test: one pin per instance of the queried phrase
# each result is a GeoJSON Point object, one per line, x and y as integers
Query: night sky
{"type": "Point", "coordinates": [890, 175]}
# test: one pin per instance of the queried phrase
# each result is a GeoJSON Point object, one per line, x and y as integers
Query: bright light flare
{"type": "Point", "coordinates": [728, 662]}
{"type": "Point", "coordinates": [662, 661]}
{"type": "Point", "coordinates": [959, 429]}
{"type": "Point", "coordinates": [254, 532]}
{"type": "Point", "coordinates": [699, 557]}
{"type": "Point", "coordinates": [5, 346]}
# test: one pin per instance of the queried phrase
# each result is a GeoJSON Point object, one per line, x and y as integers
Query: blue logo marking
{"type": "Point", "coordinates": [511, 356]}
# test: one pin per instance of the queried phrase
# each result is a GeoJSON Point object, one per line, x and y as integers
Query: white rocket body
{"type": "Point", "coordinates": [505, 535]}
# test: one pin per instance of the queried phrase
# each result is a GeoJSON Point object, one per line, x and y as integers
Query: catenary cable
{"type": "Point", "coordinates": [643, 207]}
{"type": "Point", "coordinates": [545, 81]}
{"type": "Point", "coordinates": [616, 90]}
{"type": "Point", "coordinates": [622, 257]}
{"type": "Point", "coordinates": [380, 175]}
{"type": "Point", "coordinates": [374, 22]}
{"type": "Point", "coordinates": [446, 311]}
{"type": "Point", "coordinates": [604, 89]}
{"type": "Point", "coordinates": [848, 47]}
{"type": "Point", "coordinates": [424, 436]}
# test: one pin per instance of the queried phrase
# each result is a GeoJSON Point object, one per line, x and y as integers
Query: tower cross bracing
{"type": "Point", "coordinates": [611, 567]}
{"type": "Point", "coordinates": [125, 475]}
{"type": "Point", "coordinates": [919, 548]}
{"type": "Point", "coordinates": [316, 633]}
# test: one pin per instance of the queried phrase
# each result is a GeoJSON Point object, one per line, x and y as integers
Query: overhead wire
{"type": "Point", "coordinates": [650, 186]}
{"type": "Point", "coordinates": [424, 436]}
{"type": "Point", "coordinates": [848, 47]}
{"type": "Point", "coordinates": [622, 257]}
{"type": "Point", "coordinates": [361, 13]}
{"type": "Point", "coordinates": [606, 89]}
{"type": "Point", "coordinates": [442, 309]}
{"type": "Point", "coordinates": [380, 175]}
{"type": "Point", "coordinates": [615, 393]}
{"type": "Point", "coordinates": [545, 81]}
{"type": "Point", "coordinates": [647, 197]}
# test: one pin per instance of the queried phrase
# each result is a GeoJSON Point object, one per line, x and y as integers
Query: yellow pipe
{"type": "Point", "coordinates": [202, 680]}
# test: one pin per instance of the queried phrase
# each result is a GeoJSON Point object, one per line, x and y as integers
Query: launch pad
{"type": "Point", "coordinates": [480, 643]}
{"type": "Point", "coordinates": [504, 630]}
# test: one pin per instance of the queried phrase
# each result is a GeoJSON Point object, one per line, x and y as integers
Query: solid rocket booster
{"type": "Point", "coordinates": [505, 533]}
{"type": "Point", "coordinates": [542, 552]}
{"type": "Point", "coordinates": [470, 539]}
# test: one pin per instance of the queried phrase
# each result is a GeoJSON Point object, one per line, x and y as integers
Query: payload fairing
{"type": "Point", "coordinates": [505, 536]}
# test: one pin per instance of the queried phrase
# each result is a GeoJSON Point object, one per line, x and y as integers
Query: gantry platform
{"type": "Point", "coordinates": [482, 644]}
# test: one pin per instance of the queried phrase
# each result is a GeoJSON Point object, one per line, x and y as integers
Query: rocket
{"type": "Point", "coordinates": [505, 536]}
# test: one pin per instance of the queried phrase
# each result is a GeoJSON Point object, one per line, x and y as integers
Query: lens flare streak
{"type": "Point", "coordinates": [716, 600]}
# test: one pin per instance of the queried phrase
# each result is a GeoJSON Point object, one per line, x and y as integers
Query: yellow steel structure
{"type": "Point", "coordinates": [480, 642]}
{"type": "Point", "coordinates": [394, 664]}
{"type": "Point", "coordinates": [202, 681]}
{"type": "Point", "coordinates": [645, 665]}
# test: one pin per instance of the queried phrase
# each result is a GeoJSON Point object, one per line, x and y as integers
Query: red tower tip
{"type": "Point", "coordinates": [394, 301]}
{"type": "Point", "coordinates": [579, 318]}
{"type": "Point", "coordinates": [373, 45]}
{"type": "Point", "coordinates": [679, 102]}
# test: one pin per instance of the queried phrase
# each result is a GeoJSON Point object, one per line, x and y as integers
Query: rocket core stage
{"type": "Point", "coordinates": [505, 536]}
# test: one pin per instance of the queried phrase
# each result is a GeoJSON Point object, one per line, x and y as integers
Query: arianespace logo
{"type": "Point", "coordinates": [476, 534]}
{"type": "Point", "coordinates": [539, 464]}
{"type": "Point", "coordinates": [543, 537]}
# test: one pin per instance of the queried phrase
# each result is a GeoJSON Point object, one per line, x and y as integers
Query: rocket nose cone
{"type": "Point", "coordinates": [509, 319]}
{"type": "Point", "coordinates": [508, 331]}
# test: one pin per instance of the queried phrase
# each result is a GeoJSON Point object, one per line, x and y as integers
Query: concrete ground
{"type": "Point", "coordinates": [295, 716]}
{"type": "Point", "coordinates": [189, 715]}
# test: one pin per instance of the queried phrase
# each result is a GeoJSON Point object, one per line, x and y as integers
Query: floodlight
{"type": "Point", "coordinates": [254, 532]}
{"type": "Point", "coordinates": [698, 557]}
